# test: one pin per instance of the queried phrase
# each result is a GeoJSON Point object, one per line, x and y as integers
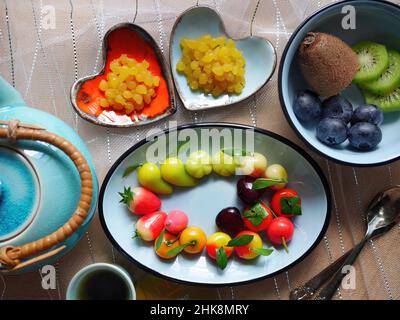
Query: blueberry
{"type": "Point", "coordinates": [364, 136]}
{"type": "Point", "coordinates": [337, 107]}
{"type": "Point", "coordinates": [331, 131]}
{"type": "Point", "coordinates": [307, 106]}
{"type": "Point", "coordinates": [369, 113]}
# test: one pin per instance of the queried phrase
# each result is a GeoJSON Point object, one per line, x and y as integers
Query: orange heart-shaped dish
{"type": "Point", "coordinates": [134, 42]}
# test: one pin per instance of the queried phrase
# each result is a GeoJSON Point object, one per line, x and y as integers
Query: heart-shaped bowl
{"type": "Point", "coordinates": [375, 21]}
{"type": "Point", "coordinates": [130, 39]}
{"type": "Point", "coordinates": [213, 193]}
{"type": "Point", "coordinates": [258, 52]}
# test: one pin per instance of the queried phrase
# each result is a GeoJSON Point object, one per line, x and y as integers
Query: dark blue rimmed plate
{"type": "Point", "coordinates": [376, 21]}
{"type": "Point", "coordinates": [203, 202]}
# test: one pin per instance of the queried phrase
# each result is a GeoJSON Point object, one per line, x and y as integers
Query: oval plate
{"type": "Point", "coordinates": [202, 203]}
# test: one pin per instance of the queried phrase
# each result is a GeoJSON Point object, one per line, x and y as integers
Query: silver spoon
{"type": "Point", "coordinates": [383, 214]}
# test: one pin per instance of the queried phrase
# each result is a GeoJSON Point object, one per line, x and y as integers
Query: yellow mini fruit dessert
{"type": "Point", "coordinates": [129, 85]}
{"type": "Point", "coordinates": [212, 65]}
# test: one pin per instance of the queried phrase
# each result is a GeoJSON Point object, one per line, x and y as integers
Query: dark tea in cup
{"type": "Point", "coordinates": [103, 285]}
{"type": "Point", "coordinates": [101, 282]}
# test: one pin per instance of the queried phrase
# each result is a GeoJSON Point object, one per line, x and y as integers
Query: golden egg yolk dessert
{"type": "Point", "coordinates": [129, 85]}
{"type": "Point", "coordinates": [212, 65]}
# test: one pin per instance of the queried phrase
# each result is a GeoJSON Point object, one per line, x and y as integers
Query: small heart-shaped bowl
{"type": "Point", "coordinates": [258, 52]}
{"type": "Point", "coordinates": [130, 39]}
{"type": "Point", "coordinates": [375, 21]}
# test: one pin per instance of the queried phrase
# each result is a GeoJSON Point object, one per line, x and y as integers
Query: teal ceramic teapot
{"type": "Point", "coordinates": [48, 185]}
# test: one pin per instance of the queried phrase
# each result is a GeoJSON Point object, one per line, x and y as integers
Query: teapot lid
{"type": "Point", "coordinates": [19, 192]}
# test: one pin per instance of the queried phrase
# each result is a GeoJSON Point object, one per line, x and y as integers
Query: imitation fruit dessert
{"type": "Point", "coordinates": [263, 213]}
{"type": "Point", "coordinates": [140, 200]}
{"type": "Point", "coordinates": [173, 171]}
{"type": "Point", "coordinates": [280, 232]}
{"type": "Point", "coordinates": [129, 85]}
{"type": "Point", "coordinates": [212, 65]}
{"type": "Point", "coordinates": [149, 226]}
{"type": "Point", "coordinates": [176, 222]}
{"type": "Point", "coordinates": [199, 164]}
{"type": "Point", "coordinates": [166, 242]}
{"type": "Point", "coordinates": [327, 63]}
{"type": "Point", "coordinates": [253, 165]}
{"type": "Point", "coordinates": [149, 176]}
{"type": "Point", "coordinates": [246, 192]}
{"type": "Point", "coordinates": [229, 220]}
{"type": "Point", "coordinates": [217, 248]}
{"type": "Point", "coordinates": [286, 202]}
{"type": "Point", "coordinates": [257, 217]}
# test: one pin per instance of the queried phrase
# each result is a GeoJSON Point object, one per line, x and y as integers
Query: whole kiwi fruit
{"type": "Point", "coordinates": [327, 63]}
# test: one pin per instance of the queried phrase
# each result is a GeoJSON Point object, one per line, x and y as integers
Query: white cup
{"type": "Point", "coordinates": [74, 285]}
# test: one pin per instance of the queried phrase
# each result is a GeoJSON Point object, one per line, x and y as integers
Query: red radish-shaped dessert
{"type": "Point", "coordinates": [140, 200]}
{"type": "Point", "coordinates": [149, 227]}
{"type": "Point", "coordinates": [280, 231]}
{"type": "Point", "coordinates": [176, 221]}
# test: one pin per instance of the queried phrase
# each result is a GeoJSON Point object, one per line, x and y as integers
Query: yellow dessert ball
{"type": "Point", "coordinates": [129, 85]}
{"type": "Point", "coordinates": [212, 65]}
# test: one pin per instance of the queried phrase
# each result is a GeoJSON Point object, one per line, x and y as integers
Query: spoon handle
{"type": "Point", "coordinates": [308, 289]}
{"type": "Point", "coordinates": [330, 289]}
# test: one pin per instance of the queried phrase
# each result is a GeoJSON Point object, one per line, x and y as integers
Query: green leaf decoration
{"type": "Point", "coordinates": [178, 249]}
{"type": "Point", "coordinates": [291, 205]}
{"type": "Point", "coordinates": [262, 251]}
{"type": "Point", "coordinates": [236, 152]}
{"type": "Point", "coordinates": [297, 211]}
{"type": "Point", "coordinates": [240, 240]}
{"type": "Point", "coordinates": [222, 258]}
{"type": "Point", "coordinates": [256, 214]}
{"type": "Point", "coordinates": [129, 170]}
{"type": "Point", "coordinates": [262, 183]}
{"type": "Point", "coordinates": [126, 196]}
{"type": "Point", "coordinates": [160, 239]}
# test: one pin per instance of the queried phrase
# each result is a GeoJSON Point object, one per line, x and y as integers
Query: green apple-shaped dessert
{"type": "Point", "coordinates": [149, 176]}
{"type": "Point", "coordinates": [173, 171]}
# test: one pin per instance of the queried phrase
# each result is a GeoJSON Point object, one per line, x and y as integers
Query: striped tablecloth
{"type": "Point", "coordinates": [42, 61]}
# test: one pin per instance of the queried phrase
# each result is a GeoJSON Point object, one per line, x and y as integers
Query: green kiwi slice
{"type": "Point", "coordinates": [388, 102]}
{"type": "Point", "coordinates": [373, 59]}
{"type": "Point", "coordinates": [390, 78]}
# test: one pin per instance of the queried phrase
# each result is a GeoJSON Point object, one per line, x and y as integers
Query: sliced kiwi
{"type": "Point", "coordinates": [390, 78]}
{"type": "Point", "coordinates": [373, 60]}
{"type": "Point", "coordinates": [387, 102]}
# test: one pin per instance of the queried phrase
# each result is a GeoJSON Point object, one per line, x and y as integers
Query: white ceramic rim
{"type": "Point", "coordinates": [100, 266]}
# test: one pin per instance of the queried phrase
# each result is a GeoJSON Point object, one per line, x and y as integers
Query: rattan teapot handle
{"type": "Point", "coordinates": [12, 258]}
